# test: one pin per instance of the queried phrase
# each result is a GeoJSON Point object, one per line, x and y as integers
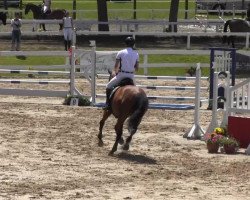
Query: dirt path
{"type": "Point", "coordinates": [50, 151]}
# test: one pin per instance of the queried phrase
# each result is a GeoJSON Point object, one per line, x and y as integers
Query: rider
{"type": "Point", "coordinates": [127, 62]}
{"type": "Point", "coordinates": [46, 6]}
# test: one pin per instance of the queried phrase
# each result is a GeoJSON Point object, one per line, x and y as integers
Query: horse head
{"type": "Point", "coordinates": [36, 9]}
{"type": "Point", "coordinates": [27, 8]}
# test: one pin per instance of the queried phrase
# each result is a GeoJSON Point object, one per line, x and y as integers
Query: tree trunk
{"type": "Point", "coordinates": [102, 15]}
{"type": "Point", "coordinates": [173, 15]}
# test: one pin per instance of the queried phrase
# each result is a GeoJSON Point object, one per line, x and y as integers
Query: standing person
{"type": "Point", "coordinates": [67, 30]}
{"type": "Point", "coordinates": [248, 12]}
{"type": "Point", "coordinates": [16, 32]}
{"type": "Point", "coordinates": [46, 6]}
{"type": "Point", "coordinates": [127, 62]}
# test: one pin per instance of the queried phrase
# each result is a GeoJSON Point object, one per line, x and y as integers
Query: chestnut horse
{"type": "Point", "coordinates": [3, 17]}
{"type": "Point", "coordinates": [127, 101]}
{"type": "Point", "coordinates": [38, 14]}
{"type": "Point", "coordinates": [235, 25]}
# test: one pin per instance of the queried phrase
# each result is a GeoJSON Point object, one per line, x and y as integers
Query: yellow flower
{"type": "Point", "coordinates": [219, 131]}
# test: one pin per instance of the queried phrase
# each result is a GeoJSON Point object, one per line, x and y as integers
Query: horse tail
{"type": "Point", "coordinates": [225, 30]}
{"type": "Point", "coordinates": [141, 106]}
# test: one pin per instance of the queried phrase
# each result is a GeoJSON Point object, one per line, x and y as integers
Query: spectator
{"type": "Point", "coordinates": [248, 12]}
{"type": "Point", "coordinates": [16, 32]}
{"type": "Point", "coordinates": [67, 30]}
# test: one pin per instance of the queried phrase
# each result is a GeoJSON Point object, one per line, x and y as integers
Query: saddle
{"type": "Point", "coordinates": [123, 82]}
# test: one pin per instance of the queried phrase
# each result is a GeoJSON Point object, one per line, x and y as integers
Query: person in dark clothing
{"type": "Point", "coordinates": [248, 12]}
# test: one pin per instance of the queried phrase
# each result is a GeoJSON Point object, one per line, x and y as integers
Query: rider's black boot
{"type": "Point", "coordinates": [108, 93]}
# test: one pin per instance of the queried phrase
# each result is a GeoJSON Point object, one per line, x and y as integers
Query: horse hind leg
{"type": "Point", "coordinates": [105, 116]}
{"type": "Point", "coordinates": [129, 138]}
{"type": "Point", "coordinates": [118, 130]}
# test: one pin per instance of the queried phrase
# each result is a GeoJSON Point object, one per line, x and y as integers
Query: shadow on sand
{"type": "Point", "coordinates": [141, 159]}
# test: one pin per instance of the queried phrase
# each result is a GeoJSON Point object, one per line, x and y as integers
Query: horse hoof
{"type": "Point", "coordinates": [121, 141]}
{"type": "Point", "coordinates": [126, 147]}
{"type": "Point", "coordinates": [100, 143]}
{"type": "Point", "coordinates": [111, 153]}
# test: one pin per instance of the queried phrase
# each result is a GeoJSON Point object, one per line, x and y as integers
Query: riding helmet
{"type": "Point", "coordinates": [130, 41]}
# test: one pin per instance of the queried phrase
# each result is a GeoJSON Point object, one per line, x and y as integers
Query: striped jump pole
{"type": "Point", "coordinates": [214, 121]}
{"type": "Point", "coordinates": [169, 98]}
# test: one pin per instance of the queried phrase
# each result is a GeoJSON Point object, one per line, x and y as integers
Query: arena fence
{"type": "Point", "coordinates": [69, 75]}
{"type": "Point", "coordinates": [236, 99]}
{"type": "Point", "coordinates": [89, 60]}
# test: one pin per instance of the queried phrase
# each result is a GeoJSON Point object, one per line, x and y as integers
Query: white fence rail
{"type": "Point", "coordinates": [150, 13]}
{"type": "Point", "coordinates": [240, 98]}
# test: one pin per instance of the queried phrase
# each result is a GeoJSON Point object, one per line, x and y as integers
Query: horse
{"type": "Point", "coordinates": [235, 25]}
{"type": "Point", "coordinates": [38, 14]}
{"type": "Point", "coordinates": [127, 101]}
{"type": "Point", "coordinates": [3, 17]}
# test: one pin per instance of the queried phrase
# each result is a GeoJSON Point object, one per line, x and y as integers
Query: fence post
{"type": "Point", "coordinates": [145, 64]}
{"type": "Point", "coordinates": [188, 40]}
{"type": "Point", "coordinates": [74, 9]}
{"type": "Point", "coordinates": [247, 40]}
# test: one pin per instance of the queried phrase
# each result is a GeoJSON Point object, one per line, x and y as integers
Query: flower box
{"type": "Point", "coordinates": [239, 128]}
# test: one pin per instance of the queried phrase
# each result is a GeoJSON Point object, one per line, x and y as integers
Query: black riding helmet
{"type": "Point", "coordinates": [130, 41]}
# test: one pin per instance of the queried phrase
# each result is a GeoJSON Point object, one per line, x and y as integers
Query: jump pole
{"type": "Point", "coordinates": [196, 131]}
{"type": "Point", "coordinates": [93, 72]}
{"type": "Point", "coordinates": [214, 121]}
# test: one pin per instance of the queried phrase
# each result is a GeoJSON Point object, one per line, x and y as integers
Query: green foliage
{"type": "Point", "coordinates": [229, 141]}
{"type": "Point", "coordinates": [82, 100]}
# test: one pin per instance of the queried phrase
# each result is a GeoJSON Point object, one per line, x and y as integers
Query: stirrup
{"type": "Point", "coordinates": [106, 107]}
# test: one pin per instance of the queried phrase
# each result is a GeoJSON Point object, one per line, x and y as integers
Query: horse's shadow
{"type": "Point", "coordinates": [136, 158]}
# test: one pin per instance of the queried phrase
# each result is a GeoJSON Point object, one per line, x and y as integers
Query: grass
{"type": "Point", "coordinates": [33, 60]}
{"type": "Point", "coordinates": [167, 71]}
{"type": "Point", "coordinates": [90, 8]}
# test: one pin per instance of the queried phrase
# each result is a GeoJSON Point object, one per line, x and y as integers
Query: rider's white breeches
{"type": "Point", "coordinates": [114, 81]}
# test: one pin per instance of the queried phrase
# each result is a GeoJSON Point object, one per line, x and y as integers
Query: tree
{"type": "Point", "coordinates": [173, 15]}
{"type": "Point", "coordinates": [102, 15]}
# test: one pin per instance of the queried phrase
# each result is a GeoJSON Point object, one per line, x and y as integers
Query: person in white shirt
{"type": "Point", "coordinates": [46, 6]}
{"type": "Point", "coordinates": [67, 30]}
{"type": "Point", "coordinates": [127, 62]}
{"type": "Point", "coordinates": [16, 32]}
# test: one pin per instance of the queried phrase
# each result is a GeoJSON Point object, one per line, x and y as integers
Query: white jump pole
{"type": "Point", "coordinates": [73, 89]}
{"type": "Point", "coordinates": [72, 71]}
{"type": "Point", "coordinates": [214, 121]}
{"type": "Point", "coordinates": [196, 131]}
{"type": "Point", "coordinates": [93, 72]}
{"type": "Point", "coordinates": [224, 121]}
